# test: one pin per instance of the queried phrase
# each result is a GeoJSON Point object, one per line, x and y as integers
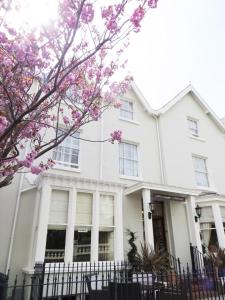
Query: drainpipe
{"type": "Point", "coordinates": [101, 149]}
{"type": "Point", "coordinates": [160, 147]}
{"type": "Point", "coordinates": [15, 216]}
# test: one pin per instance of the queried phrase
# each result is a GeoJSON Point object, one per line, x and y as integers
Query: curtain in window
{"type": "Point", "coordinates": [59, 207]}
{"type": "Point", "coordinates": [200, 171]}
{"type": "Point", "coordinates": [106, 207]}
{"type": "Point", "coordinates": [206, 215]}
{"type": "Point", "coordinates": [206, 233]}
{"type": "Point", "coordinates": [84, 209]}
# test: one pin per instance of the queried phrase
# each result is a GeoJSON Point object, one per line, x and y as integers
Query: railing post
{"type": "Point", "coordinates": [3, 286]}
{"type": "Point", "coordinates": [38, 281]}
{"type": "Point", "coordinates": [192, 259]}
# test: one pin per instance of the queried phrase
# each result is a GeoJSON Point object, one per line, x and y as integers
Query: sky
{"type": "Point", "coordinates": [181, 41]}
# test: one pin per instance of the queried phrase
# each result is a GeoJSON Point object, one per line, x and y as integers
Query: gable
{"type": "Point", "coordinates": [190, 90]}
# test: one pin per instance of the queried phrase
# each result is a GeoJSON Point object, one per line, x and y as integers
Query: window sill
{"type": "Point", "coordinates": [197, 138]}
{"type": "Point", "coordinates": [65, 168]}
{"type": "Point", "coordinates": [131, 178]}
{"type": "Point", "coordinates": [129, 121]}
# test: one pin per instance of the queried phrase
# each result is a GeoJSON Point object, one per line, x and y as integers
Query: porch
{"type": "Point", "coordinates": [168, 218]}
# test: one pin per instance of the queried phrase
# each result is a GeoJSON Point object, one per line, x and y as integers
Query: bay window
{"type": "Point", "coordinates": [208, 229]}
{"type": "Point", "coordinates": [75, 233]}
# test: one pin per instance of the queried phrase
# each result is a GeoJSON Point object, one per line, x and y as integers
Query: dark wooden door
{"type": "Point", "coordinates": [159, 227]}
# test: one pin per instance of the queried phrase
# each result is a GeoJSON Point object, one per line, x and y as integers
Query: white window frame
{"type": "Point", "coordinates": [95, 227]}
{"type": "Point", "coordinates": [193, 132]}
{"type": "Point", "coordinates": [131, 111]}
{"type": "Point", "coordinates": [65, 165]}
{"type": "Point", "coordinates": [199, 171]}
{"type": "Point", "coordinates": [122, 174]}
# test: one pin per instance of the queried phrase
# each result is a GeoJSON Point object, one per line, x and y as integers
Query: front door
{"type": "Point", "coordinates": [159, 227]}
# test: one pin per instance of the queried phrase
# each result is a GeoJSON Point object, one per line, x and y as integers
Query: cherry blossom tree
{"type": "Point", "coordinates": [60, 73]}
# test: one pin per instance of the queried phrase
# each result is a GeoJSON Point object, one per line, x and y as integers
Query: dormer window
{"type": "Point", "coordinates": [193, 127]}
{"type": "Point", "coordinates": [126, 110]}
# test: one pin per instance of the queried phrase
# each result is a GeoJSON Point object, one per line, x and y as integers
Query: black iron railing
{"type": "Point", "coordinates": [200, 260]}
{"type": "Point", "coordinates": [111, 281]}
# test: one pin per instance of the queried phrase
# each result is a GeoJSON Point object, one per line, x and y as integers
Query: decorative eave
{"type": "Point", "coordinates": [70, 180]}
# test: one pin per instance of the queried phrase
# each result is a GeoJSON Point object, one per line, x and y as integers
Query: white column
{"type": "Point", "coordinates": [219, 224]}
{"type": "Point", "coordinates": [70, 226]}
{"type": "Point", "coordinates": [148, 227]}
{"type": "Point", "coordinates": [194, 227]}
{"type": "Point", "coordinates": [42, 229]}
{"type": "Point", "coordinates": [118, 240]}
{"type": "Point", "coordinates": [95, 227]}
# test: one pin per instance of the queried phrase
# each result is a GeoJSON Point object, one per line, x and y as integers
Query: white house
{"type": "Point", "coordinates": [171, 159]}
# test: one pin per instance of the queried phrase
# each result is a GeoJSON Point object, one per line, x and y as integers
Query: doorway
{"type": "Point", "coordinates": [158, 222]}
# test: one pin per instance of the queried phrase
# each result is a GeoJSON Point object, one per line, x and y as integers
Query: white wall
{"type": "Point", "coordinates": [179, 147]}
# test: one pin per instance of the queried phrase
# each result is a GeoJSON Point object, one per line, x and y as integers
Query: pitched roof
{"type": "Point", "coordinates": [196, 96]}
{"type": "Point", "coordinates": [142, 99]}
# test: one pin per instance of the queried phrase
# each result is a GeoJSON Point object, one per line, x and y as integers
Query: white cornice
{"type": "Point", "coordinates": [160, 187]}
{"type": "Point", "coordinates": [70, 180]}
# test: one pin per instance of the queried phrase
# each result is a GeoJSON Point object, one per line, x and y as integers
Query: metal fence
{"type": "Point", "coordinates": [111, 281]}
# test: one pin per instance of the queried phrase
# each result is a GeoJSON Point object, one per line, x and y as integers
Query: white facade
{"type": "Point", "coordinates": [82, 208]}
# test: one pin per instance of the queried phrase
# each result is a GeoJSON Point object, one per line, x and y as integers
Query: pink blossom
{"type": "Point", "coordinates": [3, 123]}
{"type": "Point", "coordinates": [116, 136]}
{"type": "Point", "coordinates": [36, 170]}
{"type": "Point", "coordinates": [117, 104]}
{"type": "Point", "coordinates": [66, 120]}
{"type": "Point", "coordinates": [87, 13]}
{"type": "Point", "coordinates": [152, 3]}
{"type": "Point", "coordinates": [137, 16]}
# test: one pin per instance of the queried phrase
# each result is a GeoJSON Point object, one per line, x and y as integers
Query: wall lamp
{"type": "Point", "coordinates": [198, 211]}
{"type": "Point", "coordinates": [151, 209]}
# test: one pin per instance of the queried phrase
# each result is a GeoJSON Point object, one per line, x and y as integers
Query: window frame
{"type": "Point", "coordinates": [123, 100]}
{"type": "Point", "coordinates": [194, 156]}
{"type": "Point", "coordinates": [65, 165]}
{"type": "Point", "coordinates": [190, 129]}
{"type": "Point", "coordinates": [72, 226]}
{"type": "Point", "coordinates": [122, 174]}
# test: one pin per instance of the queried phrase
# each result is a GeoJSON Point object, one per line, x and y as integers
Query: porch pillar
{"type": "Point", "coordinates": [71, 225]}
{"type": "Point", "coordinates": [219, 224]}
{"type": "Point", "coordinates": [42, 229]}
{"type": "Point", "coordinates": [118, 247]}
{"type": "Point", "coordinates": [148, 226]}
{"type": "Point", "coordinates": [194, 227]}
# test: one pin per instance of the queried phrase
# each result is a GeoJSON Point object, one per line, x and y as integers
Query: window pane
{"type": "Point", "coordinates": [128, 159]}
{"type": "Point", "coordinates": [106, 244]}
{"type": "Point", "coordinates": [106, 207]}
{"type": "Point", "coordinates": [64, 153]}
{"type": "Point", "coordinates": [84, 209]}
{"type": "Point", "coordinates": [55, 245]}
{"type": "Point", "coordinates": [82, 244]}
{"type": "Point", "coordinates": [126, 110]}
{"type": "Point", "coordinates": [193, 127]}
{"type": "Point", "coordinates": [200, 164]}
{"type": "Point", "coordinates": [59, 207]}
{"type": "Point", "coordinates": [201, 179]}
{"type": "Point", "coordinates": [201, 174]}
